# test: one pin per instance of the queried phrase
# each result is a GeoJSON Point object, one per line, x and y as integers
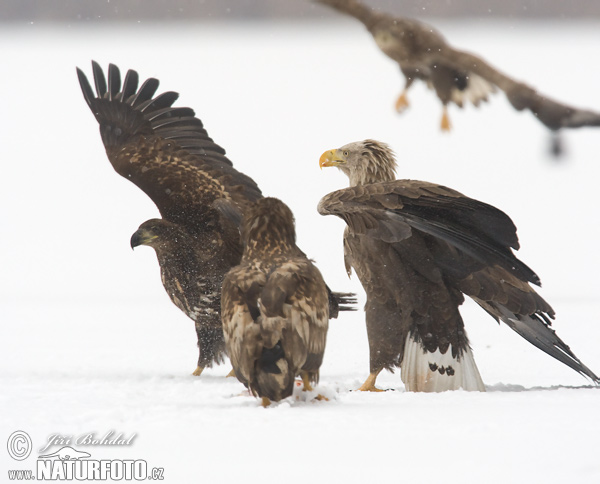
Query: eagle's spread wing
{"type": "Point", "coordinates": [553, 114]}
{"type": "Point", "coordinates": [164, 150]}
{"type": "Point", "coordinates": [431, 243]}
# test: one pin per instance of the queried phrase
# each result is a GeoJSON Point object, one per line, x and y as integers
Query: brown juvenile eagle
{"type": "Point", "coordinates": [274, 306]}
{"type": "Point", "coordinates": [456, 76]}
{"type": "Point", "coordinates": [417, 248]}
{"type": "Point", "coordinates": [168, 154]}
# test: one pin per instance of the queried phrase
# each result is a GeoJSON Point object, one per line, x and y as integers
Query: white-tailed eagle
{"type": "Point", "coordinates": [418, 248]}
{"type": "Point", "coordinates": [456, 76]}
{"type": "Point", "coordinates": [274, 306]}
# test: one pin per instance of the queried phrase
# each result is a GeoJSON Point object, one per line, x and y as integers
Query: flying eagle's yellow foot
{"type": "Point", "coordinates": [402, 102]}
{"type": "Point", "coordinates": [445, 124]}
{"type": "Point", "coordinates": [198, 371]}
{"type": "Point", "coordinates": [321, 398]}
{"type": "Point", "coordinates": [369, 384]}
{"type": "Point", "coordinates": [265, 402]}
{"type": "Point", "coordinates": [230, 374]}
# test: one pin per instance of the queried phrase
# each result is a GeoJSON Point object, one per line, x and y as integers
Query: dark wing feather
{"type": "Point", "coordinates": [391, 210]}
{"type": "Point", "coordinates": [553, 114]}
{"type": "Point", "coordinates": [164, 150]}
{"type": "Point", "coordinates": [367, 15]}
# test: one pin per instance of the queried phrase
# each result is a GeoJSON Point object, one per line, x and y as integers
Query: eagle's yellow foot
{"type": "Point", "coordinates": [445, 124]}
{"type": "Point", "coordinates": [198, 371]}
{"type": "Point", "coordinates": [306, 381]}
{"type": "Point", "coordinates": [369, 384]}
{"type": "Point", "coordinates": [308, 387]}
{"type": "Point", "coordinates": [402, 102]}
{"type": "Point", "coordinates": [230, 374]}
{"type": "Point", "coordinates": [265, 402]}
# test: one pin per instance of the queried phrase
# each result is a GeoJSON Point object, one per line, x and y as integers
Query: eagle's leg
{"type": "Point", "coordinates": [445, 124]}
{"type": "Point", "coordinates": [308, 387]}
{"type": "Point", "coordinates": [265, 402]}
{"type": "Point", "coordinates": [369, 384]}
{"type": "Point", "coordinates": [402, 102]}
{"type": "Point", "coordinates": [198, 371]}
{"type": "Point", "coordinates": [305, 379]}
{"type": "Point", "coordinates": [230, 374]}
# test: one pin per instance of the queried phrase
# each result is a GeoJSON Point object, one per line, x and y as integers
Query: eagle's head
{"type": "Point", "coordinates": [156, 233]}
{"type": "Point", "coordinates": [268, 227]}
{"type": "Point", "coordinates": [364, 162]}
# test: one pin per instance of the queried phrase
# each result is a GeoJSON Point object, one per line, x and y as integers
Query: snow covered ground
{"type": "Point", "coordinates": [90, 342]}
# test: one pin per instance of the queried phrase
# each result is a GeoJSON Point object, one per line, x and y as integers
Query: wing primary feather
{"type": "Point", "coordinates": [474, 246]}
{"type": "Point", "coordinates": [130, 84]}
{"type": "Point", "coordinates": [165, 100]}
{"type": "Point", "coordinates": [169, 115]}
{"type": "Point", "coordinates": [88, 93]}
{"type": "Point", "coordinates": [99, 79]}
{"type": "Point", "coordinates": [146, 92]}
{"type": "Point", "coordinates": [535, 330]}
{"type": "Point", "coordinates": [114, 82]}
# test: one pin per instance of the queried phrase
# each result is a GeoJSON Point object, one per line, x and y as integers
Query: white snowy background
{"type": "Point", "coordinates": [90, 342]}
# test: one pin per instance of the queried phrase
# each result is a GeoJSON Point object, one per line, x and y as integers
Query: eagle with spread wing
{"type": "Point", "coordinates": [274, 306]}
{"type": "Point", "coordinates": [418, 248]}
{"type": "Point", "coordinates": [167, 153]}
{"type": "Point", "coordinates": [456, 76]}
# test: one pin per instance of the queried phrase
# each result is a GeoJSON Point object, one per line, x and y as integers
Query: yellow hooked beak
{"type": "Point", "coordinates": [332, 158]}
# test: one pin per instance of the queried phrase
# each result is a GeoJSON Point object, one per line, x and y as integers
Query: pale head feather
{"type": "Point", "coordinates": [368, 161]}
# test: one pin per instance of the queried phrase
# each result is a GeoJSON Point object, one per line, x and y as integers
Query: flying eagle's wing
{"type": "Point", "coordinates": [553, 114]}
{"type": "Point", "coordinates": [442, 235]}
{"type": "Point", "coordinates": [164, 150]}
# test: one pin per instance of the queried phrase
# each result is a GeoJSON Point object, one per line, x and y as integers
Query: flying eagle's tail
{"type": "Point", "coordinates": [423, 371]}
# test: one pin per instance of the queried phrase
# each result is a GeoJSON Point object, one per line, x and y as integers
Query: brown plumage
{"type": "Point", "coordinates": [168, 154]}
{"type": "Point", "coordinates": [274, 306]}
{"type": "Point", "coordinates": [456, 76]}
{"type": "Point", "coordinates": [417, 248]}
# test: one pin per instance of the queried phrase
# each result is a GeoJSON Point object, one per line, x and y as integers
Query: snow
{"type": "Point", "coordinates": [91, 343]}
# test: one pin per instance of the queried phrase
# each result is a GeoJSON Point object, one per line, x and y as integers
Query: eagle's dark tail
{"type": "Point", "coordinates": [274, 378]}
{"type": "Point", "coordinates": [340, 301]}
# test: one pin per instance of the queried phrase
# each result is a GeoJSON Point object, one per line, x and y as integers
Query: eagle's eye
{"type": "Point", "coordinates": [345, 153]}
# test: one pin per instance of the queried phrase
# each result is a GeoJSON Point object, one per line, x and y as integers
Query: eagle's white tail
{"type": "Point", "coordinates": [422, 371]}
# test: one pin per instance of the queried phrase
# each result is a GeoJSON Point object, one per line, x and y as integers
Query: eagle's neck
{"type": "Point", "coordinates": [268, 248]}
{"type": "Point", "coordinates": [377, 168]}
{"type": "Point", "coordinates": [269, 235]}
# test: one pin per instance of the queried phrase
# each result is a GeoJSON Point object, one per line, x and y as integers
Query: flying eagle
{"type": "Point", "coordinates": [168, 154]}
{"type": "Point", "coordinates": [456, 76]}
{"type": "Point", "coordinates": [417, 248]}
{"type": "Point", "coordinates": [274, 306]}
